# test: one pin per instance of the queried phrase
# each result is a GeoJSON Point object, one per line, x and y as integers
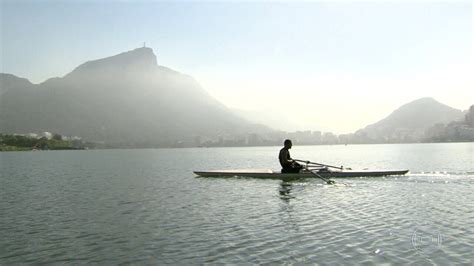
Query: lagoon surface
{"type": "Point", "coordinates": [147, 207]}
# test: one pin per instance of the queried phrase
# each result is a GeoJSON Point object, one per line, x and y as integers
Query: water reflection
{"type": "Point", "coordinates": [285, 191]}
{"type": "Point", "coordinates": [286, 212]}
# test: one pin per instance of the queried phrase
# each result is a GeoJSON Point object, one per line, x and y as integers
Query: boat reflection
{"type": "Point", "coordinates": [285, 191]}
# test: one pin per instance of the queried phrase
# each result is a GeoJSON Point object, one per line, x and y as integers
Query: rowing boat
{"type": "Point", "coordinates": [272, 174]}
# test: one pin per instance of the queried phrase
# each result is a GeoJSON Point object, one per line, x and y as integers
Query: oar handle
{"type": "Point", "coordinates": [321, 164]}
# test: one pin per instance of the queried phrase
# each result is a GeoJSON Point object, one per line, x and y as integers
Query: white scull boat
{"type": "Point", "coordinates": [272, 174]}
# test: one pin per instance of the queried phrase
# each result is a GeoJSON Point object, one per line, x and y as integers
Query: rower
{"type": "Point", "coordinates": [288, 165]}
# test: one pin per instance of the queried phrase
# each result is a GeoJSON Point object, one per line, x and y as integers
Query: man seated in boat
{"type": "Point", "coordinates": [287, 164]}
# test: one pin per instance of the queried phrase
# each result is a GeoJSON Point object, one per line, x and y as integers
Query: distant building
{"type": "Point", "coordinates": [470, 117]}
{"type": "Point", "coordinates": [47, 135]}
{"type": "Point", "coordinates": [32, 135]}
{"type": "Point", "coordinates": [329, 138]}
{"type": "Point", "coordinates": [253, 139]}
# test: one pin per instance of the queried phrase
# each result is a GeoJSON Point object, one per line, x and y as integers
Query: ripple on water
{"type": "Point", "coordinates": [131, 206]}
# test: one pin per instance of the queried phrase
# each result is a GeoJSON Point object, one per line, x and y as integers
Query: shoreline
{"type": "Point", "coordinates": [24, 149]}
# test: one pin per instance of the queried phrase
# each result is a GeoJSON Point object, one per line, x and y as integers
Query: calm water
{"type": "Point", "coordinates": [147, 207]}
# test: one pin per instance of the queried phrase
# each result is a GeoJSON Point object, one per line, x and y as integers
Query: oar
{"type": "Point", "coordinates": [321, 164]}
{"type": "Point", "coordinates": [328, 181]}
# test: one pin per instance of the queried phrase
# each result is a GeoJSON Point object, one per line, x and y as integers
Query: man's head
{"type": "Point", "coordinates": [287, 143]}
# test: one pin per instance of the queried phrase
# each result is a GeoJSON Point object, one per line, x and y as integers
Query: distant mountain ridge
{"type": "Point", "coordinates": [411, 120]}
{"type": "Point", "coordinates": [126, 100]}
{"type": "Point", "coordinates": [129, 100]}
{"type": "Point", "coordinates": [9, 81]}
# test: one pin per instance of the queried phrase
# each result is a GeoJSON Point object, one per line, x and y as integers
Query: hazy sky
{"type": "Point", "coordinates": [334, 66]}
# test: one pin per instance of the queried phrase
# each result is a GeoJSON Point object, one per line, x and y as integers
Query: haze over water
{"type": "Point", "coordinates": [311, 65]}
{"type": "Point", "coordinates": [146, 206]}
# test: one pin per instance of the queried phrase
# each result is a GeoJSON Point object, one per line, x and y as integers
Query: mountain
{"type": "Point", "coordinates": [11, 82]}
{"type": "Point", "coordinates": [409, 122]}
{"type": "Point", "coordinates": [126, 100]}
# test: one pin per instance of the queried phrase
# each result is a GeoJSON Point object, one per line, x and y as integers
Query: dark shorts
{"type": "Point", "coordinates": [295, 168]}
